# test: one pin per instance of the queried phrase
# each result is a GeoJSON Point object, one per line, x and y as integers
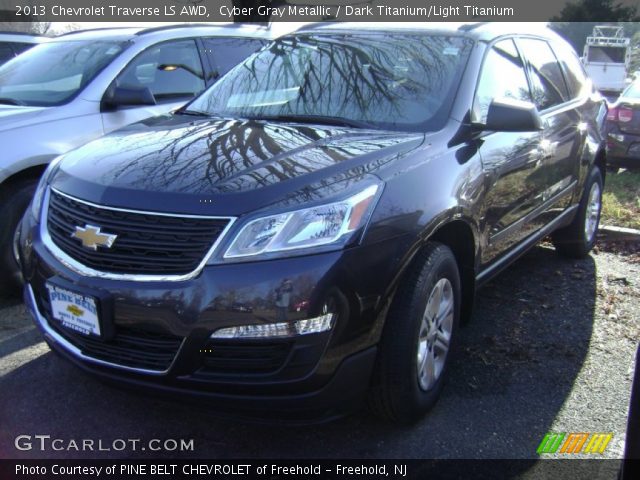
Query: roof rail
{"type": "Point", "coordinates": [315, 25]}
{"type": "Point", "coordinates": [193, 25]}
{"type": "Point", "coordinates": [85, 30]}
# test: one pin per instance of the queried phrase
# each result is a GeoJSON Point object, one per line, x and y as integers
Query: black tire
{"type": "Point", "coordinates": [572, 241]}
{"type": "Point", "coordinates": [14, 202]}
{"type": "Point", "coordinates": [396, 394]}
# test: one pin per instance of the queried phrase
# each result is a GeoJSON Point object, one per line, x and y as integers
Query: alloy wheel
{"type": "Point", "coordinates": [435, 334]}
{"type": "Point", "coordinates": [592, 216]}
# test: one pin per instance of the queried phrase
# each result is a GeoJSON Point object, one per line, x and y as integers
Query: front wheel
{"type": "Point", "coordinates": [418, 337]}
{"type": "Point", "coordinates": [12, 207]}
{"type": "Point", "coordinates": [577, 239]}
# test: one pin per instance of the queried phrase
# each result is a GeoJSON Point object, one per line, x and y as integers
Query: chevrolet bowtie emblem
{"type": "Point", "coordinates": [92, 238]}
{"type": "Point", "coordinates": [73, 310]}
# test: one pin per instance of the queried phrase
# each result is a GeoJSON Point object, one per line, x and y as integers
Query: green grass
{"type": "Point", "coordinates": [621, 199]}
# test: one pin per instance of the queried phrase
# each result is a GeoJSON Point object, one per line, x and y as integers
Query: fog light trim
{"type": "Point", "coordinates": [277, 330]}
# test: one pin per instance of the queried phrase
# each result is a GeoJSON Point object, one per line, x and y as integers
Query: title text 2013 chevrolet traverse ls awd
{"type": "Point", "coordinates": [309, 231]}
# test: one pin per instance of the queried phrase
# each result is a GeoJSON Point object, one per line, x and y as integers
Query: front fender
{"type": "Point", "coordinates": [24, 164]}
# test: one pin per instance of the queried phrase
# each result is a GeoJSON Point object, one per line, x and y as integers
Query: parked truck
{"type": "Point", "coordinates": [606, 58]}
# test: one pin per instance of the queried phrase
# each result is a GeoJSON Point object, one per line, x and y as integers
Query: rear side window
{"type": "Point", "coordinates": [170, 70]}
{"type": "Point", "coordinates": [226, 53]}
{"type": "Point", "coordinates": [502, 76]}
{"type": "Point", "coordinates": [573, 70]}
{"type": "Point", "coordinates": [548, 84]}
{"type": "Point", "coordinates": [6, 53]}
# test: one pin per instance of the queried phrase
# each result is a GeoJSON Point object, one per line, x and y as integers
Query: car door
{"type": "Point", "coordinates": [510, 160]}
{"type": "Point", "coordinates": [562, 129]}
{"type": "Point", "coordinates": [171, 70]}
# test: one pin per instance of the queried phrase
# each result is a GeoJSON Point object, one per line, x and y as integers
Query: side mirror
{"type": "Point", "coordinates": [506, 115]}
{"type": "Point", "coordinates": [128, 96]}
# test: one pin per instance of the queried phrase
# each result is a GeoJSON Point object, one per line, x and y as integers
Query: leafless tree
{"type": "Point", "coordinates": [65, 27]}
{"type": "Point", "coordinates": [36, 28]}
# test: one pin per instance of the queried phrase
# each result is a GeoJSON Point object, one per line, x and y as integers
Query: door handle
{"type": "Point", "coordinates": [535, 157]}
{"type": "Point", "coordinates": [547, 149]}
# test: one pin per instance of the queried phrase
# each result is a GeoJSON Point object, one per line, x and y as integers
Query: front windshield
{"type": "Point", "coordinates": [52, 73]}
{"type": "Point", "coordinates": [399, 81]}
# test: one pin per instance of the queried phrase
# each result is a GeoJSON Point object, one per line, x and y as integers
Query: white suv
{"type": "Point", "coordinates": [74, 88]}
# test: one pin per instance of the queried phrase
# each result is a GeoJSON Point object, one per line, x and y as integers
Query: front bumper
{"type": "Point", "coordinates": [344, 392]}
{"type": "Point", "coordinates": [303, 378]}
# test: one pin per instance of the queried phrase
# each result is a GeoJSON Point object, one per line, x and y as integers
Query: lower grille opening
{"type": "Point", "coordinates": [244, 357]}
{"type": "Point", "coordinates": [129, 347]}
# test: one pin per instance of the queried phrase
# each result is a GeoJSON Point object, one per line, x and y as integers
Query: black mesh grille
{"type": "Point", "coordinates": [129, 347]}
{"type": "Point", "coordinates": [248, 357]}
{"type": "Point", "coordinates": [146, 243]}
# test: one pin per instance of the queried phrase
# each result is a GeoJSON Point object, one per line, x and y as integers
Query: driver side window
{"type": "Point", "coordinates": [502, 76]}
{"type": "Point", "coordinates": [170, 70]}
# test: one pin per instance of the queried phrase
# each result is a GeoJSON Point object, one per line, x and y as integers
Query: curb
{"type": "Point", "coordinates": [618, 234]}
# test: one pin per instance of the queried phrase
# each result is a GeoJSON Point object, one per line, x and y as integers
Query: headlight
{"type": "Point", "coordinates": [333, 223]}
{"type": "Point", "coordinates": [36, 202]}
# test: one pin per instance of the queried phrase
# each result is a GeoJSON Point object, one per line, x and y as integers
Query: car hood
{"type": "Point", "coordinates": [224, 166]}
{"type": "Point", "coordinates": [17, 116]}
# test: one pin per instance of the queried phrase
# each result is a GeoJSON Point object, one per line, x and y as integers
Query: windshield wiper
{"type": "Point", "coordinates": [319, 119]}
{"type": "Point", "coordinates": [11, 101]}
{"type": "Point", "coordinates": [195, 113]}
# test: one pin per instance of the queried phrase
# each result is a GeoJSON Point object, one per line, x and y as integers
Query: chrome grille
{"type": "Point", "coordinates": [147, 243]}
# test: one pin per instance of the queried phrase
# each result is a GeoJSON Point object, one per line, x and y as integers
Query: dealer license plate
{"type": "Point", "coordinates": [75, 311]}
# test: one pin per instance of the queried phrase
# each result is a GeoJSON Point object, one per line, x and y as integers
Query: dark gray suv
{"type": "Point", "coordinates": [309, 232]}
